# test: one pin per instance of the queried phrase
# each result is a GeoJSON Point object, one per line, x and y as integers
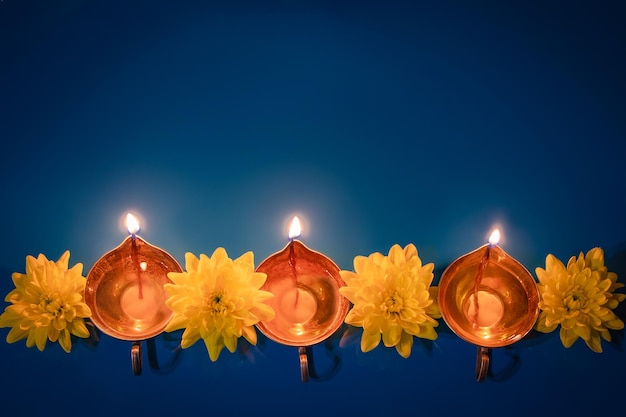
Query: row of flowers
{"type": "Point", "coordinates": [218, 299]}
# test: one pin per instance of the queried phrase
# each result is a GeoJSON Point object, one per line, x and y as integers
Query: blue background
{"type": "Point", "coordinates": [376, 122]}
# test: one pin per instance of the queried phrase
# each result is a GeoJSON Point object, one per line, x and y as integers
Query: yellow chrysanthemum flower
{"type": "Point", "coordinates": [217, 299]}
{"type": "Point", "coordinates": [392, 296]}
{"type": "Point", "coordinates": [580, 298]}
{"type": "Point", "coordinates": [47, 303]}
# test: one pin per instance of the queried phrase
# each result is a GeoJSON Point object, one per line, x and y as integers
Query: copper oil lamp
{"type": "Point", "coordinates": [488, 299]}
{"type": "Point", "coordinates": [307, 302]}
{"type": "Point", "coordinates": [124, 290]}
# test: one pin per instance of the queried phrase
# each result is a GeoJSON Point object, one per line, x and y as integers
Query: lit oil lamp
{"type": "Point", "coordinates": [488, 299]}
{"type": "Point", "coordinates": [124, 290]}
{"type": "Point", "coordinates": [307, 302]}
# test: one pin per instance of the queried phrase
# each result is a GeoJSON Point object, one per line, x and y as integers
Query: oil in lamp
{"type": "Point", "coordinates": [307, 302]}
{"type": "Point", "coordinates": [488, 299]}
{"type": "Point", "coordinates": [124, 290]}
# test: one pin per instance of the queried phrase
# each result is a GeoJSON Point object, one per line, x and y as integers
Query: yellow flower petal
{"type": "Point", "coordinates": [214, 349]}
{"type": "Point", "coordinates": [542, 327]}
{"type": "Point", "coordinates": [230, 342]}
{"type": "Point", "coordinates": [250, 334]}
{"type": "Point", "coordinates": [594, 259]}
{"type": "Point", "coordinates": [39, 337]}
{"type": "Point", "coordinates": [568, 337]}
{"type": "Point", "coordinates": [396, 255]}
{"type": "Point", "coordinates": [410, 252]}
{"type": "Point", "coordinates": [428, 332]}
{"type": "Point", "coordinates": [583, 332]}
{"type": "Point", "coordinates": [594, 343]}
{"type": "Point", "coordinates": [349, 292]}
{"type": "Point", "coordinates": [16, 333]}
{"type": "Point", "coordinates": [405, 345]}
{"type": "Point", "coordinates": [190, 336]}
{"type": "Point", "coordinates": [65, 340]}
{"type": "Point", "coordinates": [369, 341]}
{"type": "Point", "coordinates": [78, 328]}
{"type": "Point", "coordinates": [392, 336]}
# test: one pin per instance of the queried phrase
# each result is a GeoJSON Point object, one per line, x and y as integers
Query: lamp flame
{"type": "Point", "coordinates": [495, 237]}
{"type": "Point", "coordinates": [132, 224]}
{"type": "Point", "coordinates": [295, 229]}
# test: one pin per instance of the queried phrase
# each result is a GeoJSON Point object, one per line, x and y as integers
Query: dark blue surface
{"type": "Point", "coordinates": [377, 122]}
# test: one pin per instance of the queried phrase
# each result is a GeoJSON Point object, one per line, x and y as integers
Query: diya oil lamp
{"type": "Point", "coordinates": [489, 299]}
{"type": "Point", "coordinates": [307, 302]}
{"type": "Point", "coordinates": [124, 290]}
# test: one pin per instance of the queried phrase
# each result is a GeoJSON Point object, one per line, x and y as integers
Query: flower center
{"type": "Point", "coordinates": [575, 299]}
{"type": "Point", "coordinates": [393, 303]}
{"type": "Point", "coordinates": [52, 304]}
{"type": "Point", "coordinates": [219, 303]}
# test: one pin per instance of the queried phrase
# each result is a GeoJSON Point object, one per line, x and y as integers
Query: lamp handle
{"type": "Point", "coordinates": [135, 357]}
{"type": "Point", "coordinates": [304, 363]}
{"type": "Point", "coordinates": [482, 363]}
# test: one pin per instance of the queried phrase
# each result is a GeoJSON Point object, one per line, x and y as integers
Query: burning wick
{"type": "Point", "coordinates": [477, 318]}
{"type": "Point", "coordinates": [294, 232]}
{"type": "Point", "coordinates": [133, 228]}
